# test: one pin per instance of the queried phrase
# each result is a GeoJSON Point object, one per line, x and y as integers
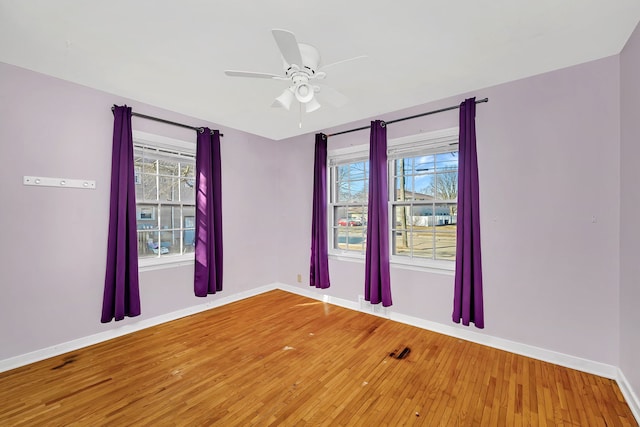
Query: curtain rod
{"type": "Point", "coordinates": [407, 118]}
{"type": "Point", "coordinates": [169, 122]}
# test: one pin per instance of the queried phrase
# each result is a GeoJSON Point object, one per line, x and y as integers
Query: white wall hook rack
{"type": "Point", "coordinates": [43, 181]}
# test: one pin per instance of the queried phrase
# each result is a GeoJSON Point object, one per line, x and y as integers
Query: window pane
{"type": "Point", "coordinates": [357, 171]}
{"type": "Point", "coordinates": [343, 191]}
{"type": "Point", "coordinates": [401, 242]}
{"type": "Point", "coordinates": [168, 189]}
{"type": "Point", "coordinates": [446, 243]}
{"type": "Point", "coordinates": [352, 192]}
{"type": "Point", "coordinates": [355, 217]}
{"type": "Point", "coordinates": [146, 217]}
{"type": "Point", "coordinates": [339, 212]}
{"type": "Point", "coordinates": [422, 223]}
{"type": "Point", "coordinates": [423, 245]}
{"type": "Point", "coordinates": [170, 242]}
{"type": "Point", "coordinates": [446, 161]}
{"type": "Point", "coordinates": [349, 239]}
{"type": "Point", "coordinates": [424, 164]}
{"type": "Point", "coordinates": [146, 188]}
{"type": "Point", "coordinates": [343, 172]}
{"type": "Point", "coordinates": [189, 237]}
{"type": "Point", "coordinates": [168, 167]}
{"type": "Point", "coordinates": [189, 213]}
{"type": "Point", "coordinates": [148, 244]}
{"type": "Point", "coordinates": [187, 190]}
{"type": "Point", "coordinates": [188, 170]}
{"type": "Point", "coordinates": [337, 236]}
{"type": "Point", "coordinates": [403, 188]}
{"type": "Point", "coordinates": [444, 214]}
{"type": "Point", "coordinates": [138, 186]}
{"type": "Point", "coordinates": [447, 186]}
{"type": "Point", "coordinates": [148, 164]}
{"type": "Point", "coordinates": [401, 217]}
{"type": "Point", "coordinates": [169, 217]}
{"type": "Point", "coordinates": [350, 183]}
{"type": "Point", "coordinates": [402, 166]}
{"type": "Point", "coordinates": [137, 161]}
{"type": "Point", "coordinates": [340, 238]}
{"type": "Point", "coordinates": [424, 185]}
{"type": "Point", "coordinates": [189, 224]}
{"type": "Point", "coordinates": [350, 216]}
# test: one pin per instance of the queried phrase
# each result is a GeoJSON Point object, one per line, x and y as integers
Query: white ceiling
{"type": "Point", "coordinates": [172, 54]}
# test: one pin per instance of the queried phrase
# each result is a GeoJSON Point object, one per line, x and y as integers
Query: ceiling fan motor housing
{"type": "Point", "coordinates": [301, 73]}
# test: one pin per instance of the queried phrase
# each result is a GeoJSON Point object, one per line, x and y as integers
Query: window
{"type": "Point", "coordinates": [165, 199]}
{"type": "Point", "coordinates": [349, 196]}
{"type": "Point", "coordinates": [423, 190]}
{"type": "Point", "coordinates": [424, 206]}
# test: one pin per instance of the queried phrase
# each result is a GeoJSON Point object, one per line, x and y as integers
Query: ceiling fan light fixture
{"type": "Point", "coordinates": [303, 92]}
{"type": "Point", "coordinates": [284, 100]}
{"type": "Point", "coordinates": [312, 105]}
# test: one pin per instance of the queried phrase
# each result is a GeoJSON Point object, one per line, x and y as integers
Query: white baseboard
{"type": "Point", "coordinates": [315, 293]}
{"type": "Point", "coordinates": [629, 395]}
{"type": "Point", "coordinates": [58, 349]}
{"type": "Point", "coordinates": [568, 361]}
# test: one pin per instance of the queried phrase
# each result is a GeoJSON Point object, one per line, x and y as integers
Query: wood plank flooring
{"type": "Point", "coordinates": [282, 359]}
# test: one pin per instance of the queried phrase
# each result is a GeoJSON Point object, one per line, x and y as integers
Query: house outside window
{"type": "Point", "coordinates": [165, 199]}
{"type": "Point", "coordinates": [423, 188]}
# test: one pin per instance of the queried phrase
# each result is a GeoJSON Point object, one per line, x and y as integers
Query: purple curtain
{"type": "Point", "coordinates": [121, 290]}
{"type": "Point", "coordinates": [377, 282]}
{"type": "Point", "coordinates": [319, 276]}
{"type": "Point", "coordinates": [208, 266]}
{"type": "Point", "coordinates": [467, 298]}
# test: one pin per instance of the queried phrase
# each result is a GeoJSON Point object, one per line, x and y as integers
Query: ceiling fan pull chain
{"type": "Point", "coordinates": [300, 110]}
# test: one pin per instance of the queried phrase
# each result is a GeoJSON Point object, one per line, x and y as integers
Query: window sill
{"type": "Point", "coordinates": [150, 264]}
{"type": "Point", "coordinates": [438, 267]}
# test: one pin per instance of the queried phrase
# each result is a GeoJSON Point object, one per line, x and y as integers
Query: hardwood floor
{"type": "Point", "coordinates": [282, 359]}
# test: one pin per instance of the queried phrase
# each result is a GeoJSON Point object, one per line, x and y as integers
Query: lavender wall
{"type": "Point", "coordinates": [54, 240]}
{"type": "Point", "coordinates": [549, 152]}
{"type": "Point", "coordinates": [630, 212]}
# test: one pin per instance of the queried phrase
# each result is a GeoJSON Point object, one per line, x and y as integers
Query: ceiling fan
{"type": "Point", "coordinates": [301, 64]}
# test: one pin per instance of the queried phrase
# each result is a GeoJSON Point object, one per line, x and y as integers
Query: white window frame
{"type": "Point", "coordinates": [338, 157]}
{"type": "Point", "coordinates": [424, 143]}
{"type": "Point", "coordinates": [189, 148]}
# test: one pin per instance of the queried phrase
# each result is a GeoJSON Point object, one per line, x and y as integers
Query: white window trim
{"type": "Point", "coordinates": [158, 141]}
{"type": "Point", "coordinates": [163, 142]}
{"type": "Point", "coordinates": [406, 145]}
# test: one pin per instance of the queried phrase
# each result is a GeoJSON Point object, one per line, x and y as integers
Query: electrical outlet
{"type": "Point", "coordinates": [299, 278]}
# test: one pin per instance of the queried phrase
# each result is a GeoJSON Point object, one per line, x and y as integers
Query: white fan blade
{"type": "Point", "coordinates": [332, 96]}
{"type": "Point", "coordinates": [343, 61]}
{"type": "Point", "coordinates": [288, 46]}
{"type": "Point", "coordinates": [234, 73]}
